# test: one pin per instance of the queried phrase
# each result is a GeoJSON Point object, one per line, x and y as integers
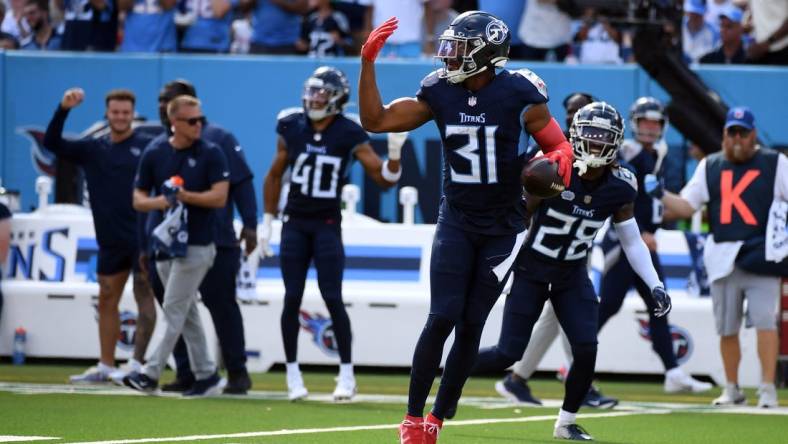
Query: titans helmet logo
{"type": "Point", "coordinates": [496, 32]}
{"type": "Point", "coordinates": [682, 341]}
{"type": "Point", "coordinates": [322, 331]}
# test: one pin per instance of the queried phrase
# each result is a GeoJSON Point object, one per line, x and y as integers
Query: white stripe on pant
{"type": "Point", "coordinates": [181, 278]}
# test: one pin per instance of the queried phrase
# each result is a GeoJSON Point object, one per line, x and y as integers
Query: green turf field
{"type": "Point", "coordinates": [36, 402]}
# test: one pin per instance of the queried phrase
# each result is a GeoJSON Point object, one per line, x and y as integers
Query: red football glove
{"type": "Point", "coordinates": [377, 38]}
{"type": "Point", "coordinates": [564, 157]}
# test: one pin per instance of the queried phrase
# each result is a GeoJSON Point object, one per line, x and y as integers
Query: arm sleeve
{"type": "Point", "coordinates": [144, 178]}
{"type": "Point", "coordinates": [696, 191]}
{"type": "Point", "coordinates": [218, 170]}
{"type": "Point", "coordinates": [236, 160]}
{"type": "Point", "coordinates": [73, 150]}
{"type": "Point", "coordinates": [246, 201]}
{"type": "Point", "coordinates": [781, 179]}
{"type": "Point", "coordinates": [636, 251]}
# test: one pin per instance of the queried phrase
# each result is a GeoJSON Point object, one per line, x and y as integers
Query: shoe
{"type": "Point", "coordinates": [767, 397]}
{"type": "Point", "coordinates": [572, 432]}
{"type": "Point", "coordinates": [432, 427]}
{"type": "Point", "coordinates": [295, 388]}
{"type": "Point", "coordinates": [731, 395]}
{"type": "Point", "coordinates": [677, 381]}
{"type": "Point", "coordinates": [178, 385]}
{"type": "Point", "coordinates": [141, 383]}
{"type": "Point", "coordinates": [238, 383]}
{"type": "Point", "coordinates": [131, 366]}
{"type": "Point", "coordinates": [516, 391]}
{"type": "Point", "coordinates": [210, 386]}
{"type": "Point", "coordinates": [595, 399]}
{"type": "Point", "coordinates": [346, 389]}
{"type": "Point", "coordinates": [99, 374]}
{"type": "Point", "coordinates": [411, 430]}
{"type": "Point", "coordinates": [451, 412]}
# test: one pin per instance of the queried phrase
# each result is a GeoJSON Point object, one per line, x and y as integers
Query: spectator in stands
{"type": "Point", "coordinates": [210, 32]}
{"type": "Point", "coordinates": [714, 9]}
{"type": "Point", "coordinates": [150, 26]}
{"type": "Point", "coordinates": [203, 188]}
{"type": "Point", "coordinates": [90, 25]}
{"type": "Point", "coordinates": [43, 35]}
{"type": "Point", "coordinates": [324, 32]}
{"type": "Point", "coordinates": [241, 30]}
{"type": "Point", "coordinates": [731, 49]}
{"type": "Point", "coordinates": [698, 37]}
{"type": "Point", "coordinates": [277, 25]}
{"type": "Point", "coordinates": [598, 39]}
{"type": "Point", "coordinates": [440, 18]}
{"type": "Point", "coordinates": [770, 22]}
{"type": "Point", "coordinates": [738, 185]}
{"type": "Point", "coordinates": [407, 42]}
{"type": "Point", "coordinates": [358, 13]}
{"type": "Point", "coordinates": [546, 31]}
{"type": "Point", "coordinates": [13, 21]}
{"type": "Point", "coordinates": [5, 242]}
{"type": "Point", "coordinates": [109, 163]}
{"type": "Point", "coordinates": [7, 41]}
{"type": "Point", "coordinates": [510, 12]}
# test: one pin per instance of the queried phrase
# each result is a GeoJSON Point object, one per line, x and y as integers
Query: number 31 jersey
{"type": "Point", "coordinates": [484, 143]}
{"type": "Point", "coordinates": [319, 162]}
{"type": "Point", "coordinates": [563, 228]}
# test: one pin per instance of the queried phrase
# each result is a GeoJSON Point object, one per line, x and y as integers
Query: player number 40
{"type": "Point", "coordinates": [470, 152]}
{"type": "Point", "coordinates": [302, 174]}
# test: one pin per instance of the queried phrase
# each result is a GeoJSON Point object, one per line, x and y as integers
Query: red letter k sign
{"type": "Point", "coordinates": [731, 196]}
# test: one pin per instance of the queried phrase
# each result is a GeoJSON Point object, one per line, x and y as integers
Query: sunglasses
{"type": "Point", "coordinates": [734, 131]}
{"type": "Point", "coordinates": [195, 120]}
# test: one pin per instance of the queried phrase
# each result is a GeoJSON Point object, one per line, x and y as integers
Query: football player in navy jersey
{"type": "Point", "coordinates": [553, 263]}
{"type": "Point", "coordinates": [484, 118]}
{"type": "Point", "coordinates": [644, 155]}
{"type": "Point", "coordinates": [318, 143]}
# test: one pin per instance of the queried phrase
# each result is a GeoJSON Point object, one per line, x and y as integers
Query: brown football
{"type": "Point", "coordinates": [540, 178]}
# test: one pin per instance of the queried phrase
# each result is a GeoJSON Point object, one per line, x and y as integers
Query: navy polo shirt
{"type": "Point", "coordinates": [201, 165]}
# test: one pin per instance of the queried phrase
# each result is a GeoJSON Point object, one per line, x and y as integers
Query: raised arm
{"type": "Point", "coordinates": [385, 174]}
{"type": "Point", "coordinates": [53, 138]}
{"type": "Point", "coordinates": [400, 115]}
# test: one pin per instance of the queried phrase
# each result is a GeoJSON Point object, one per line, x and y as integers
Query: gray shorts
{"type": "Point", "coordinates": [762, 294]}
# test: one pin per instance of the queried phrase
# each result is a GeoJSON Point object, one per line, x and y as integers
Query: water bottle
{"type": "Point", "coordinates": [20, 336]}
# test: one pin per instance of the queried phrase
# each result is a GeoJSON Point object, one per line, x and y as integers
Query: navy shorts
{"type": "Point", "coordinates": [468, 272]}
{"type": "Point", "coordinates": [574, 300]}
{"type": "Point", "coordinates": [113, 260]}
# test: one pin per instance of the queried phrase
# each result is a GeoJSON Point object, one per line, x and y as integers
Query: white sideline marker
{"type": "Point", "coordinates": [369, 427]}
{"type": "Point", "coordinates": [14, 438]}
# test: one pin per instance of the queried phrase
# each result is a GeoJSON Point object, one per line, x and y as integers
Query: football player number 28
{"type": "Point", "coordinates": [583, 236]}
{"type": "Point", "coordinates": [470, 152]}
{"type": "Point", "coordinates": [311, 181]}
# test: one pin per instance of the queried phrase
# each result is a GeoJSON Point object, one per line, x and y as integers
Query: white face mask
{"type": "Point", "coordinates": [317, 114]}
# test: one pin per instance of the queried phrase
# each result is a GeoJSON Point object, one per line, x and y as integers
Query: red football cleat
{"type": "Point", "coordinates": [411, 430]}
{"type": "Point", "coordinates": [432, 427]}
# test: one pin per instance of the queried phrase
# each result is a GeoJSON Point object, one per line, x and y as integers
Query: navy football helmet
{"type": "Point", "coordinates": [596, 134]}
{"type": "Point", "coordinates": [475, 41]}
{"type": "Point", "coordinates": [326, 92]}
{"type": "Point", "coordinates": [647, 108]}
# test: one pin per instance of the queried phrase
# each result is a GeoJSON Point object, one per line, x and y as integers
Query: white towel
{"type": "Point", "coordinates": [777, 231]}
{"type": "Point", "coordinates": [246, 283]}
{"type": "Point", "coordinates": [171, 236]}
{"type": "Point", "coordinates": [720, 258]}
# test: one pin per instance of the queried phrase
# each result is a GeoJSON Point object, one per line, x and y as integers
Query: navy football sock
{"type": "Point", "coordinates": [341, 325]}
{"type": "Point", "coordinates": [580, 376]}
{"type": "Point", "coordinates": [458, 367]}
{"type": "Point", "coordinates": [426, 359]}
{"type": "Point", "coordinates": [290, 325]}
{"type": "Point", "coordinates": [492, 359]}
{"type": "Point", "coordinates": [661, 341]}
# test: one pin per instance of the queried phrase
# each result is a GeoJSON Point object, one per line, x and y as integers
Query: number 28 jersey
{"type": "Point", "coordinates": [563, 228]}
{"type": "Point", "coordinates": [319, 162]}
{"type": "Point", "coordinates": [484, 143]}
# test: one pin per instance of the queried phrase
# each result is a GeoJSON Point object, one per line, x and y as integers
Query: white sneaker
{"type": "Point", "coordinates": [346, 388]}
{"type": "Point", "coordinates": [94, 375]}
{"type": "Point", "coordinates": [731, 395]}
{"type": "Point", "coordinates": [677, 381]}
{"type": "Point", "coordinates": [767, 397]}
{"type": "Point", "coordinates": [131, 366]}
{"type": "Point", "coordinates": [295, 388]}
{"type": "Point", "coordinates": [571, 432]}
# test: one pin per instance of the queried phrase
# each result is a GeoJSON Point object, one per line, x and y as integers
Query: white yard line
{"type": "Point", "coordinates": [363, 428]}
{"type": "Point", "coordinates": [14, 438]}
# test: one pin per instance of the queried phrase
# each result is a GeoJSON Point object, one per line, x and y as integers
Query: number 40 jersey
{"type": "Point", "coordinates": [563, 228]}
{"type": "Point", "coordinates": [319, 162]}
